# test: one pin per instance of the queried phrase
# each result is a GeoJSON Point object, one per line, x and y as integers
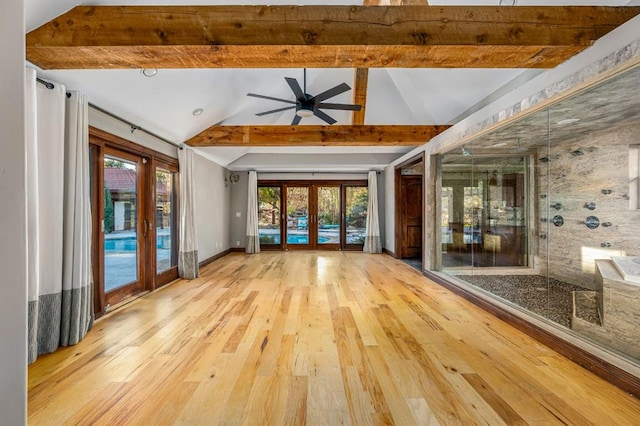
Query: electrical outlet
{"type": "Point", "coordinates": [238, 243]}
{"type": "Point", "coordinates": [238, 214]}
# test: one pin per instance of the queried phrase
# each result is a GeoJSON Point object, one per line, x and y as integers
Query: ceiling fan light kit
{"type": "Point", "coordinates": [304, 112]}
{"type": "Point", "coordinates": [307, 105]}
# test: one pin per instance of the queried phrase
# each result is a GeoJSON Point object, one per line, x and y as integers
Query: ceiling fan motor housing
{"type": "Point", "coordinates": [305, 108]}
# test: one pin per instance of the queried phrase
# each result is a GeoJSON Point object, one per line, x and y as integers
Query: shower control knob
{"type": "Point", "coordinates": [592, 222]}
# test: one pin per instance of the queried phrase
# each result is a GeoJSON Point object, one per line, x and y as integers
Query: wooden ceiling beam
{"type": "Point", "coordinates": [336, 135]}
{"type": "Point", "coordinates": [361, 82]}
{"type": "Point", "coordinates": [318, 36]}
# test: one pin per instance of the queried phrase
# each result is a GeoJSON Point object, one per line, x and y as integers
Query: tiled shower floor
{"type": "Point", "coordinates": [544, 296]}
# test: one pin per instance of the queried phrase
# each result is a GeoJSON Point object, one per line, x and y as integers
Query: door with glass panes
{"type": "Point", "coordinates": [318, 215]}
{"type": "Point", "coordinates": [135, 228]}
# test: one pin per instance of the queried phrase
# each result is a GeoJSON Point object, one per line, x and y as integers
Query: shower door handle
{"type": "Point", "coordinates": [145, 225]}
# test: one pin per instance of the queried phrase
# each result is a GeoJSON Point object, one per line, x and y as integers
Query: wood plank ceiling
{"type": "Point", "coordinates": [361, 37]}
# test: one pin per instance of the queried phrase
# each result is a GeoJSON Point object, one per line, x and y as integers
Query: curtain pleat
{"type": "Point", "coordinates": [188, 246]}
{"type": "Point", "coordinates": [77, 277]}
{"type": "Point", "coordinates": [372, 243]}
{"type": "Point", "coordinates": [252, 244]}
{"type": "Point", "coordinates": [60, 309]}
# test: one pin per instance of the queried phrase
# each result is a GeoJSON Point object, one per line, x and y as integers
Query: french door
{"type": "Point", "coordinates": [124, 225]}
{"type": "Point", "coordinates": [312, 215]}
{"type": "Point", "coordinates": [134, 216]}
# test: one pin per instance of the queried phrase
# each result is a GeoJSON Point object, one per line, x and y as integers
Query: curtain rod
{"type": "Point", "coordinates": [133, 127]}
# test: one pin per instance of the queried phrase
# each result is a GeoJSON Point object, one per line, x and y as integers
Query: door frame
{"type": "Point", "coordinates": [399, 222]}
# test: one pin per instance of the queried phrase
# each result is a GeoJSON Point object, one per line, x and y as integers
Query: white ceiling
{"type": "Point", "coordinates": [163, 104]}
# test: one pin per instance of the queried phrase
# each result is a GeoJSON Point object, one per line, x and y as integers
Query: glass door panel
{"type": "Point", "coordinates": [324, 215]}
{"type": "Point", "coordinates": [356, 202]}
{"type": "Point", "coordinates": [121, 266]}
{"type": "Point", "coordinates": [297, 216]}
{"type": "Point", "coordinates": [269, 212]}
{"type": "Point", "coordinates": [328, 214]}
{"type": "Point", "coordinates": [165, 220]}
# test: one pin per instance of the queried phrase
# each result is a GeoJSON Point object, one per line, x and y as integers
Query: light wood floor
{"type": "Point", "coordinates": [314, 338]}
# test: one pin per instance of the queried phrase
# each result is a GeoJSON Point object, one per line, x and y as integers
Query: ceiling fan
{"type": "Point", "coordinates": [307, 105]}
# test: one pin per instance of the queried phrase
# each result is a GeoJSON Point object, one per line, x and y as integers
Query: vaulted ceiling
{"type": "Point", "coordinates": [414, 69]}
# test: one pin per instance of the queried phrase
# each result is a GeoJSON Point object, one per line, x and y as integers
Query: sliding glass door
{"type": "Point", "coordinates": [317, 215]}
{"type": "Point", "coordinates": [134, 205]}
{"type": "Point", "coordinates": [328, 216]}
{"type": "Point", "coordinates": [123, 243]}
{"type": "Point", "coordinates": [298, 220]}
{"type": "Point", "coordinates": [356, 204]}
{"type": "Point", "coordinates": [166, 220]}
{"type": "Point", "coordinates": [269, 216]}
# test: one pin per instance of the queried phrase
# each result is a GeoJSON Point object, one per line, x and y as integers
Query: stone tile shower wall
{"type": "Point", "coordinates": [573, 181]}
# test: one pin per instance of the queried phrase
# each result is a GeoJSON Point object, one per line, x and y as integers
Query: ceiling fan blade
{"type": "Point", "coordinates": [335, 91]}
{"type": "Point", "coordinates": [346, 107]}
{"type": "Point", "coordinates": [296, 120]}
{"type": "Point", "coordinates": [321, 115]}
{"type": "Point", "coordinates": [270, 98]}
{"type": "Point", "coordinates": [275, 110]}
{"type": "Point", "coordinates": [295, 87]}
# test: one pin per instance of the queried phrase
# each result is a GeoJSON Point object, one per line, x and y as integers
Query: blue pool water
{"type": "Point", "coordinates": [130, 243]}
{"type": "Point", "coordinates": [295, 239]}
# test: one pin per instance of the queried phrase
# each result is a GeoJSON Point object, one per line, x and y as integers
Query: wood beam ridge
{"type": "Point", "coordinates": [319, 36]}
{"type": "Point", "coordinates": [336, 135]}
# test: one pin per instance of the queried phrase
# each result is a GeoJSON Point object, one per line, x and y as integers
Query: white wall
{"type": "Point", "coordinates": [212, 208]}
{"type": "Point", "coordinates": [239, 196]}
{"type": "Point", "coordinates": [109, 124]}
{"type": "Point", "coordinates": [13, 262]}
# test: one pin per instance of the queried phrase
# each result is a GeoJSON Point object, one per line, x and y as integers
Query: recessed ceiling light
{"type": "Point", "coordinates": [196, 112]}
{"type": "Point", "coordinates": [149, 72]}
{"type": "Point", "coordinates": [567, 121]}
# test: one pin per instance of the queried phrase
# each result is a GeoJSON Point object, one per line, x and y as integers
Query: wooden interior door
{"type": "Point", "coordinates": [411, 196]}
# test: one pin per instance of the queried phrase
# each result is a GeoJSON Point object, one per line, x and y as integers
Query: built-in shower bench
{"type": "Point", "coordinates": [618, 306]}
